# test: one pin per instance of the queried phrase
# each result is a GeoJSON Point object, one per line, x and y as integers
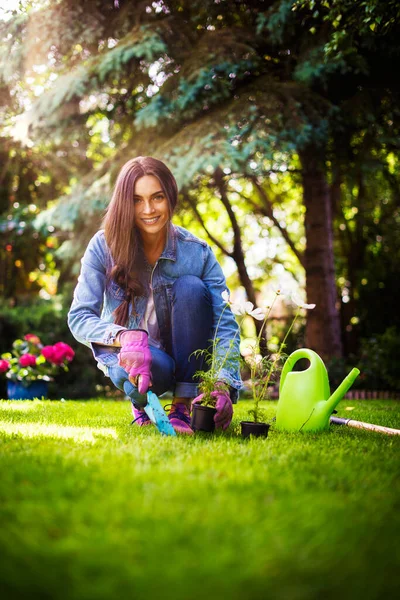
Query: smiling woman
{"type": "Point", "coordinates": [151, 215]}
{"type": "Point", "coordinates": [149, 295]}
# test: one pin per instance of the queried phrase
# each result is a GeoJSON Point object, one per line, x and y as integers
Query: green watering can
{"type": "Point", "coordinates": [305, 401]}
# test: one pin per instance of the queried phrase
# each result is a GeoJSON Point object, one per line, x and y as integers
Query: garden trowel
{"type": "Point", "coordinates": [157, 414]}
{"type": "Point", "coordinates": [153, 409]}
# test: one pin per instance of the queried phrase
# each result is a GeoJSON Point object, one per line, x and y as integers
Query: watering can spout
{"type": "Point", "coordinates": [341, 390]}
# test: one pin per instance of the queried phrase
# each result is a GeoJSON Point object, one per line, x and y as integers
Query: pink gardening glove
{"type": "Point", "coordinates": [135, 358]}
{"type": "Point", "coordinates": [223, 406]}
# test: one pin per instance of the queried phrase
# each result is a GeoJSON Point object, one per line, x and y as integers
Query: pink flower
{"type": "Point", "coordinates": [48, 353]}
{"type": "Point", "coordinates": [4, 365]}
{"type": "Point", "coordinates": [58, 353]}
{"type": "Point", "coordinates": [27, 360]}
{"type": "Point", "coordinates": [58, 357]}
{"type": "Point", "coordinates": [64, 350]}
{"type": "Point", "coordinates": [32, 338]}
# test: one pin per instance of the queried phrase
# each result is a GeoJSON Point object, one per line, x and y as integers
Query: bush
{"type": "Point", "coordinates": [48, 320]}
{"type": "Point", "coordinates": [378, 363]}
{"type": "Point", "coordinates": [380, 360]}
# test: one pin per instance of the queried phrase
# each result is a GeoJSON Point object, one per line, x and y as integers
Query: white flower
{"type": "Point", "coordinates": [253, 360]}
{"type": "Point", "coordinates": [258, 313]}
{"type": "Point", "coordinates": [281, 289]}
{"type": "Point", "coordinates": [247, 308]}
{"type": "Point", "coordinates": [300, 303]}
{"type": "Point", "coordinates": [225, 296]}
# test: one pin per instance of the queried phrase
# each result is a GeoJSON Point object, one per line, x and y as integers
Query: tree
{"type": "Point", "coordinates": [205, 85]}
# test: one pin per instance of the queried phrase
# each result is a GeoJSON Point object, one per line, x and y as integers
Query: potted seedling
{"type": "Point", "coordinates": [264, 371]}
{"type": "Point", "coordinates": [203, 410]}
{"type": "Point", "coordinates": [216, 358]}
{"type": "Point", "coordinates": [256, 424]}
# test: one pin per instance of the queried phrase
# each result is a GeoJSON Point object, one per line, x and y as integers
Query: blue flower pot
{"type": "Point", "coordinates": [35, 389]}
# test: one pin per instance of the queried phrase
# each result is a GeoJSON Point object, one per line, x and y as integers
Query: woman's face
{"type": "Point", "coordinates": [151, 207]}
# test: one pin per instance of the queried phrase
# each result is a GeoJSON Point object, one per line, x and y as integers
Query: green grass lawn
{"type": "Point", "coordinates": [92, 508]}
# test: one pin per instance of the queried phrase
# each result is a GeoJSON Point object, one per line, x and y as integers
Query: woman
{"type": "Point", "coordinates": [149, 295]}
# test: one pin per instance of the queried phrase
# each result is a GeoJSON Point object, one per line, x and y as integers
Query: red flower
{"type": "Point", "coordinates": [4, 365]}
{"type": "Point", "coordinates": [27, 360]}
{"type": "Point", "coordinates": [32, 338]}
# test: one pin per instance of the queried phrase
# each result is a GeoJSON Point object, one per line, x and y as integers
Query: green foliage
{"type": "Point", "coordinates": [276, 20]}
{"type": "Point", "coordinates": [20, 260]}
{"type": "Point", "coordinates": [368, 240]}
{"type": "Point", "coordinates": [277, 525]}
{"type": "Point", "coordinates": [48, 320]}
{"type": "Point", "coordinates": [208, 379]}
{"type": "Point", "coordinates": [206, 85]}
{"type": "Point", "coordinates": [315, 67]}
{"type": "Point", "coordinates": [140, 44]}
{"type": "Point", "coordinates": [379, 362]}
{"type": "Point", "coordinates": [209, 86]}
{"type": "Point", "coordinates": [144, 43]}
{"type": "Point", "coordinates": [215, 359]}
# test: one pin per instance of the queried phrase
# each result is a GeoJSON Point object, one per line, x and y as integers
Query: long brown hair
{"type": "Point", "coordinates": [120, 233]}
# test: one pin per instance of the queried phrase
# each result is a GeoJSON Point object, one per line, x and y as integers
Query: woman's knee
{"type": "Point", "coordinates": [190, 287]}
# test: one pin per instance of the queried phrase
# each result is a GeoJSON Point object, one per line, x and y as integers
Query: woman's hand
{"type": "Point", "coordinates": [135, 358]}
{"type": "Point", "coordinates": [223, 405]}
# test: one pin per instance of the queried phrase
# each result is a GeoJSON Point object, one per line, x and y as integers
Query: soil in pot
{"type": "Point", "coordinates": [203, 418]}
{"type": "Point", "coordinates": [256, 429]}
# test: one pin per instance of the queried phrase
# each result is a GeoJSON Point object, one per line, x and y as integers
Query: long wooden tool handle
{"type": "Point", "coordinates": [361, 425]}
{"type": "Point", "coordinates": [372, 427]}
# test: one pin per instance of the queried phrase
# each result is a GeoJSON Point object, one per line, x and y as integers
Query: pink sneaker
{"type": "Point", "coordinates": [179, 417]}
{"type": "Point", "coordinates": [140, 417]}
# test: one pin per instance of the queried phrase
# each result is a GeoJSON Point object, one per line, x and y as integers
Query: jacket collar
{"type": "Point", "coordinates": [169, 251]}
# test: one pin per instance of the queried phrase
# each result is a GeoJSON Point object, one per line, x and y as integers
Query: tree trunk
{"type": "Point", "coordinates": [238, 256]}
{"type": "Point", "coordinates": [323, 323]}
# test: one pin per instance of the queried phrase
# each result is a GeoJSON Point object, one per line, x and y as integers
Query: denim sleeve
{"type": "Point", "coordinates": [228, 330]}
{"type": "Point", "coordinates": [84, 315]}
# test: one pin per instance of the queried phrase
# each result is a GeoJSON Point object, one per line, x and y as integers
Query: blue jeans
{"type": "Point", "coordinates": [191, 323]}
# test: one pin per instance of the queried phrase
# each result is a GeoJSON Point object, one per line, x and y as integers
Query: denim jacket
{"type": "Point", "coordinates": [90, 318]}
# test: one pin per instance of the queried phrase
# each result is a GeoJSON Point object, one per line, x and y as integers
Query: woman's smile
{"type": "Point", "coordinates": [150, 220]}
{"type": "Point", "coordinates": [151, 209]}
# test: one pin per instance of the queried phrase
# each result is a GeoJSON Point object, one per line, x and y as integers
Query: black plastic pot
{"type": "Point", "coordinates": [203, 418]}
{"type": "Point", "coordinates": [256, 429]}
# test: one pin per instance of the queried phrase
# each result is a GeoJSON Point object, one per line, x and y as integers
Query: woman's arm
{"type": "Point", "coordinates": [84, 315]}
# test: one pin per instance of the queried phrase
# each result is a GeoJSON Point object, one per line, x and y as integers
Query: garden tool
{"type": "Point", "coordinates": [157, 414]}
{"type": "Point", "coordinates": [361, 425]}
{"type": "Point", "coordinates": [305, 402]}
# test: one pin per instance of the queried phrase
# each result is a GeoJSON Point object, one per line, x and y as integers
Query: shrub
{"type": "Point", "coordinates": [378, 363]}
{"type": "Point", "coordinates": [48, 319]}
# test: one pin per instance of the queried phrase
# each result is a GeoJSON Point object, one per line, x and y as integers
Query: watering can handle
{"type": "Point", "coordinates": [292, 360]}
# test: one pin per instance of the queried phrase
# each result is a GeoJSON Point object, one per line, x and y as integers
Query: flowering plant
{"type": "Point", "coordinates": [264, 368]}
{"type": "Point", "coordinates": [30, 361]}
